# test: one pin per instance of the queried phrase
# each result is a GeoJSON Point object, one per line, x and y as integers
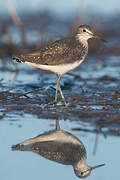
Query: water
{"type": "Point", "coordinates": [28, 165]}
{"type": "Point", "coordinates": [65, 7]}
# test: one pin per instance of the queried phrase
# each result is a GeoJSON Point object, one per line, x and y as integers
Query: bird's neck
{"type": "Point", "coordinates": [82, 40]}
{"type": "Point", "coordinates": [80, 163]}
{"type": "Point", "coordinates": [80, 166]}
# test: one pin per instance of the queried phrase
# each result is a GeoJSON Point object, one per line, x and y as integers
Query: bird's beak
{"type": "Point", "coordinates": [94, 167]}
{"type": "Point", "coordinates": [99, 37]}
{"type": "Point", "coordinates": [97, 166]}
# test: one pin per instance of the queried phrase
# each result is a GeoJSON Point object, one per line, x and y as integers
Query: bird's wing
{"type": "Point", "coordinates": [59, 52]}
{"type": "Point", "coordinates": [65, 153]}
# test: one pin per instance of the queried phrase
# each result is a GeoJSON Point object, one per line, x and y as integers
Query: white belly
{"type": "Point", "coordinates": [58, 69]}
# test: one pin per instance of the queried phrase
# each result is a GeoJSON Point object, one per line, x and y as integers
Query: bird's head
{"type": "Point", "coordinates": [84, 32]}
{"type": "Point", "coordinates": [82, 170]}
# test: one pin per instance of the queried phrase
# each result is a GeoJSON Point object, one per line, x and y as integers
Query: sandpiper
{"type": "Point", "coordinates": [62, 55]}
{"type": "Point", "coordinates": [59, 146]}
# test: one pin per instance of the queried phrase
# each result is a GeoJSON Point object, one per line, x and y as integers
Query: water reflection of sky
{"type": "Point", "coordinates": [66, 6]}
{"type": "Point", "coordinates": [28, 165]}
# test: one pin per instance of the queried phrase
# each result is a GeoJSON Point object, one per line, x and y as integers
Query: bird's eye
{"type": "Point", "coordinates": [84, 30]}
{"type": "Point", "coordinates": [82, 173]}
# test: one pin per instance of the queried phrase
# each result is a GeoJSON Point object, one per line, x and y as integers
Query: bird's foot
{"type": "Point", "coordinates": [63, 101]}
{"type": "Point", "coordinates": [55, 101]}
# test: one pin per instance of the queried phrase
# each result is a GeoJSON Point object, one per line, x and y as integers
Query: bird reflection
{"type": "Point", "coordinates": [59, 146]}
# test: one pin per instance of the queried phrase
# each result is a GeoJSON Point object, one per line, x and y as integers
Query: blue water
{"type": "Point", "coordinates": [28, 165]}
{"type": "Point", "coordinates": [64, 7]}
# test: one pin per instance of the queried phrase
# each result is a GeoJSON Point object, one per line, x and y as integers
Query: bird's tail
{"type": "Point", "coordinates": [21, 147]}
{"type": "Point", "coordinates": [16, 147]}
{"type": "Point", "coordinates": [17, 59]}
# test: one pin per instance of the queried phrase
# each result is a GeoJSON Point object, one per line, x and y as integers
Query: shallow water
{"type": "Point", "coordinates": [66, 7]}
{"type": "Point", "coordinates": [22, 165]}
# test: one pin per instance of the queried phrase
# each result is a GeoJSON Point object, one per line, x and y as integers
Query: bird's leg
{"type": "Point", "coordinates": [57, 81]}
{"type": "Point", "coordinates": [57, 125]}
{"type": "Point", "coordinates": [58, 87]}
{"type": "Point", "coordinates": [63, 99]}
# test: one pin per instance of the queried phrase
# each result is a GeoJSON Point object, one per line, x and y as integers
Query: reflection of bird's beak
{"type": "Point", "coordinates": [97, 166]}
{"type": "Point", "coordinates": [91, 168]}
{"type": "Point", "coordinates": [98, 37]}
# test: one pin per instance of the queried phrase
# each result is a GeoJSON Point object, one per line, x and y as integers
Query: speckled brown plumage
{"type": "Point", "coordinates": [64, 51]}
{"type": "Point", "coordinates": [65, 153]}
{"type": "Point", "coordinates": [60, 150]}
